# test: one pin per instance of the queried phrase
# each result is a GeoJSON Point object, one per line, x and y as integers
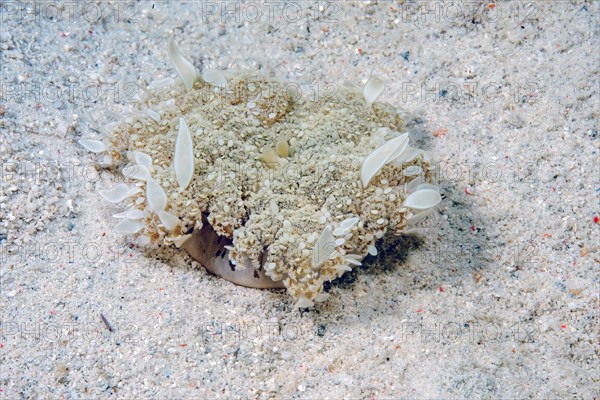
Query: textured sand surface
{"type": "Point", "coordinates": [497, 297]}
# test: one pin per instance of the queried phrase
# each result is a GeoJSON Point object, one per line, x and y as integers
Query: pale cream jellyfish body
{"type": "Point", "coordinates": [264, 188]}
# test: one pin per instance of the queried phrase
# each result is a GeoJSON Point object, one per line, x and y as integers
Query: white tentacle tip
{"type": "Point", "coordinates": [374, 162]}
{"type": "Point", "coordinates": [423, 199]}
{"type": "Point", "coordinates": [153, 114]}
{"type": "Point", "coordinates": [95, 146]}
{"type": "Point", "coordinates": [324, 247]}
{"type": "Point", "coordinates": [185, 69]}
{"type": "Point", "coordinates": [156, 196]}
{"type": "Point", "coordinates": [169, 220]}
{"type": "Point", "coordinates": [215, 77]}
{"type": "Point", "coordinates": [373, 89]}
{"type": "Point", "coordinates": [348, 223]}
{"type": "Point", "coordinates": [183, 160]}
{"type": "Point", "coordinates": [181, 240]}
{"type": "Point", "coordinates": [143, 159]}
{"type": "Point", "coordinates": [116, 194]}
{"type": "Point", "coordinates": [128, 226]}
{"type": "Point", "coordinates": [304, 302]}
{"type": "Point", "coordinates": [135, 171]}
{"type": "Point", "coordinates": [420, 216]}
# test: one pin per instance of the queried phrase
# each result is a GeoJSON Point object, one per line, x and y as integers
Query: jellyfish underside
{"type": "Point", "coordinates": [208, 248]}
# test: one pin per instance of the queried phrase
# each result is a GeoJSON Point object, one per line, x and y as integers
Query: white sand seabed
{"type": "Point", "coordinates": [496, 297]}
